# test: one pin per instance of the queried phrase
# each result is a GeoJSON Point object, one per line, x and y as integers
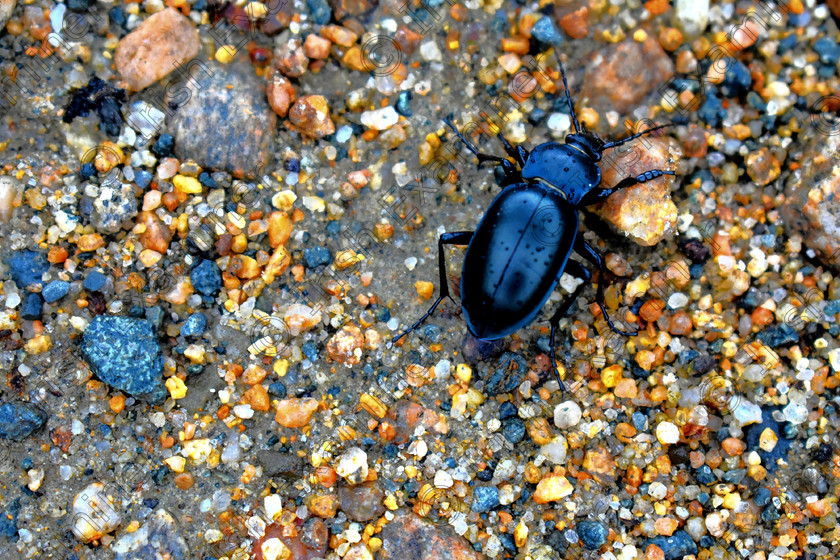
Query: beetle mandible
{"type": "Point", "coordinates": [521, 246]}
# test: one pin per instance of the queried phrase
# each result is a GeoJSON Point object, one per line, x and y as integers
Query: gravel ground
{"type": "Point", "coordinates": [215, 217]}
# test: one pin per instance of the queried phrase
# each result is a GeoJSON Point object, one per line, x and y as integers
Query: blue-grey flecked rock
{"type": "Point", "coordinates": [124, 353]}
{"type": "Point", "coordinates": [27, 267]}
{"type": "Point", "coordinates": [206, 278]}
{"type": "Point", "coordinates": [114, 206]}
{"type": "Point", "coordinates": [545, 33]}
{"type": "Point", "coordinates": [19, 420]}
{"type": "Point", "coordinates": [32, 306]}
{"type": "Point", "coordinates": [94, 281]}
{"type": "Point", "coordinates": [676, 547]}
{"type": "Point", "coordinates": [320, 11]}
{"type": "Point", "coordinates": [194, 325]}
{"type": "Point", "coordinates": [592, 533]}
{"type": "Point", "coordinates": [226, 122]}
{"type": "Point", "coordinates": [158, 538]}
{"type": "Point", "coordinates": [55, 290]}
{"type": "Point", "coordinates": [485, 498]}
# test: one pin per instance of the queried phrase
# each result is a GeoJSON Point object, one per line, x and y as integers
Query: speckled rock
{"type": "Point", "coordinates": [619, 77]}
{"type": "Point", "coordinates": [124, 353]}
{"type": "Point", "coordinates": [6, 9]}
{"type": "Point", "coordinates": [227, 108]}
{"type": "Point", "coordinates": [812, 208]}
{"type": "Point", "coordinates": [27, 267]}
{"type": "Point", "coordinates": [410, 536]}
{"type": "Point", "coordinates": [113, 207]}
{"type": "Point", "coordinates": [157, 538]}
{"type": "Point", "coordinates": [19, 420]}
{"type": "Point", "coordinates": [645, 212]}
{"type": "Point", "coordinates": [362, 502]}
{"type": "Point", "coordinates": [9, 186]}
{"type": "Point", "coordinates": [161, 44]}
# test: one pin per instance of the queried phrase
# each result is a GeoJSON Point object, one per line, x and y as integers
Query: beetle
{"type": "Point", "coordinates": [521, 247]}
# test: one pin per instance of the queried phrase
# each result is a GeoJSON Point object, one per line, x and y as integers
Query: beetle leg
{"type": "Point", "coordinates": [593, 197]}
{"type": "Point", "coordinates": [591, 254]}
{"type": "Point", "coordinates": [452, 238]}
{"type": "Point", "coordinates": [578, 270]}
{"type": "Point", "coordinates": [506, 165]}
{"type": "Point", "coordinates": [518, 153]}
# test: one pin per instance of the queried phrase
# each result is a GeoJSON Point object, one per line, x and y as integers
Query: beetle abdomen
{"type": "Point", "coordinates": [515, 258]}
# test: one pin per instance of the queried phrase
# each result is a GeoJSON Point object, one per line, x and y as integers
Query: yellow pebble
{"type": "Point", "coordinates": [226, 54]}
{"type": "Point", "coordinates": [176, 463]}
{"type": "Point", "coordinates": [281, 367]}
{"type": "Point", "coordinates": [767, 440]}
{"type": "Point", "coordinates": [424, 289]}
{"type": "Point", "coordinates": [391, 503]}
{"type": "Point", "coordinates": [463, 373]}
{"type": "Point", "coordinates": [189, 185]}
{"type": "Point", "coordinates": [177, 389]}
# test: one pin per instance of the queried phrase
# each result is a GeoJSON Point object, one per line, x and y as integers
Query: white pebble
{"type": "Point", "coordinates": [667, 433]}
{"type": "Point", "coordinates": [352, 465]}
{"type": "Point", "coordinates": [443, 479]}
{"type": "Point", "coordinates": [380, 119]}
{"type": "Point", "coordinates": [12, 301]}
{"type": "Point", "coordinates": [567, 414]}
{"type": "Point", "coordinates": [430, 51]}
{"type": "Point", "coordinates": [555, 450]}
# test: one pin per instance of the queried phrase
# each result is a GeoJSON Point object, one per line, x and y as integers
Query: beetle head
{"type": "Point", "coordinates": [587, 142]}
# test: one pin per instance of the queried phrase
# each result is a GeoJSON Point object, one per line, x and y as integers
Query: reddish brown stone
{"type": "Point", "coordinates": [161, 44]}
{"type": "Point", "coordinates": [619, 77]}
{"type": "Point", "coordinates": [281, 94]}
{"type": "Point", "coordinates": [410, 536]}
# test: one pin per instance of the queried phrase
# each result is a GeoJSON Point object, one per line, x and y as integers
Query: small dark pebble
{"type": "Point", "coordinates": [592, 533]}
{"type": "Point", "coordinates": [676, 547]}
{"type": "Point", "coordinates": [32, 306]}
{"type": "Point", "coordinates": [695, 250]}
{"type": "Point", "coordinates": [164, 146]}
{"type": "Point", "coordinates": [195, 325]}
{"type": "Point", "coordinates": [94, 281]}
{"type": "Point", "coordinates": [19, 420]}
{"type": "Point", "coordinates": [316, 256]}
{"type": "Point", "coordinates": [514, 430]}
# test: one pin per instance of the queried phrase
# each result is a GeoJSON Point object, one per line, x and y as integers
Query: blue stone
{"type": "Point", "coordinates": [27, 463]}
{"type": "Point", "coordinates": [55, 290]}
{"type": "Point", "coordinates": [27, 267]}
{"type": "Point", "coordinates": [752, 433]}
{"type": "Point", "coordinates": [676, 547]}
{"type": "Point", "coordinates": [737, 80]}
{"type": "Point", "coordinates": [705, 475]}
{"type": "Point", "coordinates": [164, 146]}
{"type": "Point", "coordinates": [778, 335]}
{"type": "Point", "coordinates": [8, 520]}
{"type": "Point", "coordinates": [154, 315]}
{"type": "Point", "coordinates": [320, 10]}
{"type": "Point", "coordinates": [485, 498]}
{"type": "Point", "coordinates": [207, 180]}
{"type": "Point", "coordinates": [124, 353]}
{"type": "Point", "coordinates": [711, 111]}
{"type": "Point", "coordinates": [206, 278]}
{"type": "Point", "coordinates": [277, 389]}
{"type": "Point", "coordinates": [545, 33]}
{"type": "Point", "coordinates": [94, 281]}
{"type": "Point", "coordinates": [19, 420]}
{"type": "Point", "coordinates": [762, 496]}
{"type": "Point", "coordinates": [403, 106]}
{"type": "Point", "coordinates": [507, 410]}
{"type": "Point", "coordinates": [592, 533]}
{"type": "Point", "coordinates": [639, 421]}
{"type": "Point", "coordinates": [310, 350]}
{"type": "Point", "coordinates": [514, 430]}
{"type": "Point", "coordinates": [194, 325]}
{"type": "Point", "coordinates": [142, 178]}
{"type": "Point", "coordinates": [316, 256]}
{"type": "Point", "coordinates": [32, 306]}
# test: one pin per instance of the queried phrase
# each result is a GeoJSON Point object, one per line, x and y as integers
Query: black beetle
{"type": "Point", "coordinates": [521, 246]}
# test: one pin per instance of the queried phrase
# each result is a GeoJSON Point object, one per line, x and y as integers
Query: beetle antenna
{"type": "Point", "coordinates": [633, 137]}
{"type": "Point", "coordinates": [568, 95]}
{"type": "Point", "coordinates": [460, 136]}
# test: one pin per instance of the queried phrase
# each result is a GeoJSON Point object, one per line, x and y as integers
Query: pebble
{"type": "Point", "coordinates": [33, 304]}
{"type": "Point", "coordinates": [352, 465]}
{"type": "Point", "coordinates": [159, 537]}
{"type": "Point", "coordinates": [485, 498]}
{"type": "Point", "coordinates": [295, 412]}
{"type": "Point", "coordinates": [311, 116]}
{"type": "Point", "coordinates": [555, 451]}
{"type": "Point", "coordinates": [567, 414]}
{"type": "Point", "coordinates": [676, 547]}
{"type": "Point", "coordinates": [94, 503]}
{"type": "Point", "coordinates": [620, 76]}
{"type": "Point", "coordinates": [19, 420]}
{"type": "Point", "coordinates": [691, 17]}
{"type": "Point", "coordinates": [645, 212]}
{"type": "Point", "coordinates": [281, 93]}
{"type": "Point", "coordinates": [195, 325]}
{"type": "Point", "coordinates": [206, 277]}
{"type": "Point", "coordinates": [6, 9]}
{"type": "Point", "coordinates": [226, 108]}
{"type": "Point", "coordinates": [362, 502]}
{"type": "Point", "coordinates": [667, 433]}
{"type": "Point", "coordinates": [545, 33]}
{"type": "Point", "coordinates": [345, 346]}
{"type": "Point", "coordinates": [408, 535]}
{"type": "Point", "coordinates": [113, 208]}
{"type": "Point", "coordinates": [380, 119]}
{"type": "Point", "coordinates": [124, 353]}
{"type": "Point", "coordinates": [593, 534]}
{"type": "Point", "coordinates": [159, 45]}
{"type": "Point", "coordinates": [552, 487]}
{"type": "Point", "coordinates": [9, 186]}
{"type": "Point", "coordinates": [27, 267]}
{"type": "Point", "coordinates": [55, 290]}
{"type": "Point", "coordinates": [94, 281]}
